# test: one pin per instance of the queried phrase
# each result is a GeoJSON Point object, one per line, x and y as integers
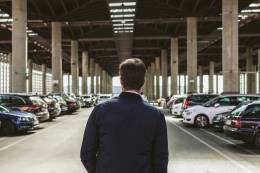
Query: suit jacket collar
{"type": "Point", "coordinates": [131, 95]}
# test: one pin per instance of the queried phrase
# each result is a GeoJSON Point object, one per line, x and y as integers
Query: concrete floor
{"type": "Point", "coordinates": [55, 149]}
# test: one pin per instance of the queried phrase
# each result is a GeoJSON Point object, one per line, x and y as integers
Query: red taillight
{"type": "Point", "coordinates": [186, 104]}
{"type": "Point", "coordinates": [238, 123]}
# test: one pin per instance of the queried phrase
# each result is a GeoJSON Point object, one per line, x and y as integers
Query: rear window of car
{"type": "Point", "coordinates": [179, 100]}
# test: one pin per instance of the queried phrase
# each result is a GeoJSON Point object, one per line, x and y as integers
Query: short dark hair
{"type": "Point", "coordinates": [132, 73]}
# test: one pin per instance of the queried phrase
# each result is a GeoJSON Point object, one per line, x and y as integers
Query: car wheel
{"type": "Point", "coordinates": [201, 121]}
{"type": "Point", "coordinates": [257, 140]}
{"type": "Point", "coordinates": [8, 128]}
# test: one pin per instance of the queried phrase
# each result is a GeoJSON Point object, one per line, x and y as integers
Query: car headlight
{"type": "Point", "coordinates": [221, 117]}
{"type": "Point", "coordinates": [23, 119]}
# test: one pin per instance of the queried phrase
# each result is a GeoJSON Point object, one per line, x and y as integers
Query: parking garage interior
{"type": "Point", "coordinates": [76, 46]}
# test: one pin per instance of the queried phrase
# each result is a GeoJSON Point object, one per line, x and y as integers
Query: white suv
{"type": "Point", "coordinates": [202, 115]}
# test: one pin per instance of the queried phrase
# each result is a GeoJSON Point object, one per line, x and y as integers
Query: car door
{"type": "Point", "coordinates": [251, 119]}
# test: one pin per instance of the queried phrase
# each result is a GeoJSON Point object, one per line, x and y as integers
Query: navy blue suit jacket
{"type": "Point", "coordinates": [125, 135]}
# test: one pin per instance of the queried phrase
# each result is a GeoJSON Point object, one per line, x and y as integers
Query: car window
{"type": "Point", "coordinates": [17, 100]}
{"type": "Point", "coordinates": [5, 100]}
{"type": "Point", "coordinates": [180, 100]}
{"type": "Point", "coordinates": [201, 98]}
{"type": "Point", "coordinates": [253, 111]}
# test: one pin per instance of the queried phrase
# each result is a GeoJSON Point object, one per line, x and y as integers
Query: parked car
{"type": "Point", "coordinates": [197, 99]}
{"type": "Point", "coordinates": [88, 100]}
{"type": "Point", "coordinates": [53, 106]}
{"type": "Point", "coordinates": [16, 121]}
{"type": "Point", "coordinates": [202, 115]}
{"type": "Point", "coordinates": [73, 104]}
{"type": "Point", "coordinates": [103, 97]}
{"type": "Point", "coordinates": [26, 103]}
{"type": "Point", "coordinates": [243, 123]}
{"type": "Point", "coordinates": [81, 101]}
{"type": "Point", "coordinates": [219, 120]}
{"type": "Point", "coordinates": [62, 103]}
{"type": "Point", "coordinates": [176, 106]}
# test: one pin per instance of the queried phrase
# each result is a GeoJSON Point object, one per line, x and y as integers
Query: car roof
{"type": "Point", "coordinates": [235, 95]}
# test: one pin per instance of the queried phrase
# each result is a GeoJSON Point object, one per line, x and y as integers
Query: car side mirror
{"type": "Point", "coordinates": [216, 105]}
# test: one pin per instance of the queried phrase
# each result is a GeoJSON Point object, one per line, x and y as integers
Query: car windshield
{"type": "Point", "coordinates": [201, 98]}
{"type": "Point", "coordinates": [210, 102]}
{"type": "Point", "coordinates": [104, 97]}
{"type": "Point", "coordinates": [237, 111]}
{"type": "Point", "coordinates": [36, 100]}
{"type": "Point", "coordinates": [3, 109]}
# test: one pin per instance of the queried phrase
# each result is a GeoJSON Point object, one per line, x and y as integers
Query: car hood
{"type": "Point", "coordinates": [194, 108]}
{"type": "Point", "coordinates": [18, 114]}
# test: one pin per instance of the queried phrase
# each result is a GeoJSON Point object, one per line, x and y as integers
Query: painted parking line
{"type": "Point", "coordinates": [230, 142]}
{"type": "Point", "coordinates": [214, 149]}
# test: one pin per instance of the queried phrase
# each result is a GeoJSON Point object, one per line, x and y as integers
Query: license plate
{"type": "Point", "coordinates": [228, 122]}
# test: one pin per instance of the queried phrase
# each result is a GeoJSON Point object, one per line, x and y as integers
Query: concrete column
{"type": "Point", "coordinates": [179, 84]}
{"type": "Point", "coordinates": [56, 57]}
{"type": "Point", "coordinates": [192, 54]}
{"type": "Point", "coordinates": [201, 78]}
{"type": "Point", "coordinates": [44, 69]}
{"type": "Point", "coordinates": [251, 83]}
{"type": "Point", "coordinates": [30, 75]}
{"type": "Point", "coordinates": [164, 70]}
{"type": "Point", "coordinates": [97, 77]}
{"type": "Point", "coordinates": [69, 83]}
{"type": "Point", "coordinates": [217, 83]}
{"type": "Point", "coordinates": [152, 80]}
{"type": "Point", "coordinates": [92, 70]}
{"type": "Point", "coordinates": [230, 46]}
{"type": "Point", "coordinates": [157, 75]}
{"type": "Point", "coordinates": [75, 66]}
{"type": "Point", "coordinates": [101, 80]}
{"type": "Point", "coordinates": [258, 58]}
{"type": "Point", "coordinates": [148, 82]}
{"type": "Point", "coordinates": [85, 67]}
{"type": "Point", "coordinates": [211, 76]}
{"type": "Point", "coordinates": [19, 45]}
{"type": "Point", "coordinates": [10, 71]}
{"type": "Point", "coordinates": [174, 65]}
{"type": "Point", "coordinates": [185, 84]}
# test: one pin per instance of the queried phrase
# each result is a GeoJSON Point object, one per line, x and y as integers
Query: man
{"type": "Point", "coordinates": [126, 134]}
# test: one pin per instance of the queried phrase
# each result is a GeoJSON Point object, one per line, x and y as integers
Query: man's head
{"type": "Point", "coordinates": [132, 74]}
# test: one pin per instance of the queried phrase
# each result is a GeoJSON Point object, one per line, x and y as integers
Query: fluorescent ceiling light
{"type": "Point", "coordinates": [122, 20]}
{"type": "Point", "coordinates": [220, 28]}
{"type": "Point", "coordinates": [122, 10]}
{"type": "Point", "coordinates": [122, 16]}
{"type": "Point", "coordinates": [6, 20]}
{"type": "Point", "coordinates": [129, 3]}
{"type": "Point", "coordinates": [115, 4]}
{"type": "Point", "coordinates": [118, 4]}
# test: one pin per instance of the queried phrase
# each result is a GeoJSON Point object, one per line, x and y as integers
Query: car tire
{"type": "Point", "coordinates": [257, 140]}
{"type": "Point", "coordinates": [8, 128]}
{"type": "Point", "coordinates": [201, 121]}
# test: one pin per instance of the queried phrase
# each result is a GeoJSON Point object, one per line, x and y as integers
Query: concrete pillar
{"type": "Point", "coordinates": [44, 69]}
{"type": "Point", "coordinates": [258, 58]}
{"type": "Point", "coordinates": [164, 70]}
{"type": "Point", "coordinates": [230, 46]}
{"type": "Point", "coordinates": [179, 84]}
{"type": "Point", "coordinates": [157, 75]}
{"type": "Point", "coordinates": [152, 81]}
{"type": "Point", "coordinates": [217, 83]}
{"type": "Point", "coordinates": [69, 83]}
{"type": "Point", "coordinates": [10, 71]}
{"type": "Point", "coordinates": [75, 66]}
{"type": "Point", "coordinates": [174, 65]}
{"type": "Point", "coordinates": [92, 71]}
{"type": "Point", "coordinates": [149, 89]}
{"type": "Point", "coordinates": [30, 75]}
{"type": "Point", "coordinates": [97, 77]}
{"type": "Point", "coordinates": [185, 84]}
{"type": "Point", "coordinates": [103, 81]}
{"type": "Point", "coordinates": [201, 78]}
{"type": "Point", "coordinates": [85, 74]}
{"type": "Point", "coordinates": [192, 54]}
{"type": "Point", "coordinates": [56, 57]}
{"type": "Point", "coordinates": [211, 76]}
{"type": "Point", "coordinates": [251, 83]}
{"type": "Point", "coordinates": [19, 45]}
